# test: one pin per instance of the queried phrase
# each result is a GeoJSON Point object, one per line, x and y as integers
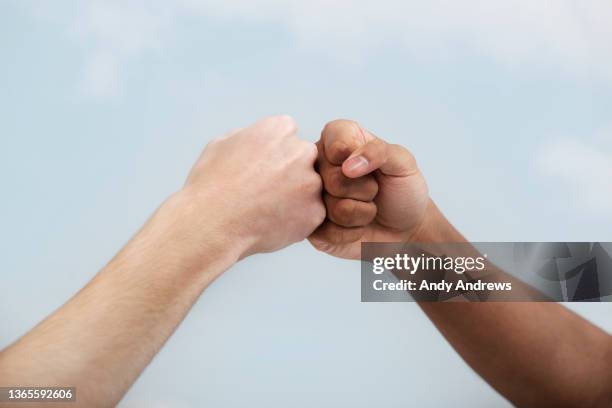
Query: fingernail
{"type": "Point", "coordinates": [357, 163]}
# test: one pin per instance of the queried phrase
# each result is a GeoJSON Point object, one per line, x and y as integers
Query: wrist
{"type": "Point", "coordinates": [204, 232]}
{"type": "Point", "coordinates": [434, 227]}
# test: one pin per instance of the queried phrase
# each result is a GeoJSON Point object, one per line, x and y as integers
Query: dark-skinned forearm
{"type": "Point", "coordinates": [534, 353]}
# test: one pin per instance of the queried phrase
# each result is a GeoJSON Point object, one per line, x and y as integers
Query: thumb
{"type": "Point", "coordinates": [390, 159]}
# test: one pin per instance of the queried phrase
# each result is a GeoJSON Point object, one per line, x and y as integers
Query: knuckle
{"type": "Point", "coordinates": [315, 182]}
{"type": "Point", "coordinates": [341, 138]}
{"type": "Point", "coordinates": [344, 210]}
{"type": "Point", "coordinates": [371, 188]}
{"type": "Point", "coordinates": [338, 185]}
{"type": "Point", "coordinates": [287, 122]}
{"type": "Point", "coordinates": [371, 212]}
{"type": "Point", "coordinates": [338, 150]}
{"type": "Point", "coordinates": [383, 147]}
{"type": "Point", "coordinates": [338, 125]}
{"type": "Point", "coordinates": [278, 124]}
{"type": "Point", "coordinates": [214, 143]}
{"type": "Point", "coordinates": [363, 189]}
{"type": "Point", "coordinates": [320, 214]}
{"type": "Point", "coordinates": [333, 181]}
{"type": "Point", "coordinates": [310, 151]}
{"type": "Point", "coordinates": [232, 133]}
{"type": "Point", "coordinates": [405, 154]}
{"type": "Point", "coordinates": [218, 139]}
{"type": "Point", "coordinates": [402, 148]}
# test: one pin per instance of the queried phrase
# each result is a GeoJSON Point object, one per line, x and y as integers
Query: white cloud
{"type": "Point", "coordinates": [582, 170]}
{"type": "Point", "coordinates": [110, 33]}
{"type": "Point", "coordinates": [574, 36]}
{"type": "Point", "coordinates": [571, 36]}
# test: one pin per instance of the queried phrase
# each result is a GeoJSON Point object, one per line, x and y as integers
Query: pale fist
{"type": "Point", "coordinates": [373, 191]}
{"type": "Point", "coordinates": [262, 183]}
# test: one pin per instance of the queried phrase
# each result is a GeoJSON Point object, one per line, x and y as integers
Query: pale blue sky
{"type": "Point", "coordinates": [105, 105]}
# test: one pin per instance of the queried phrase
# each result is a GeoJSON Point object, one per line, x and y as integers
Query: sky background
{"type": "Point", "coordinates": [105, 105]}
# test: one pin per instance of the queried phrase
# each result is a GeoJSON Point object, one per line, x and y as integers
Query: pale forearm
{"type": "Point", "coordinates": [254, 190]}
{"type": "Point", "coordinates": [102, 339]}
{"type": "Point", "coordinates": [535, 354]}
